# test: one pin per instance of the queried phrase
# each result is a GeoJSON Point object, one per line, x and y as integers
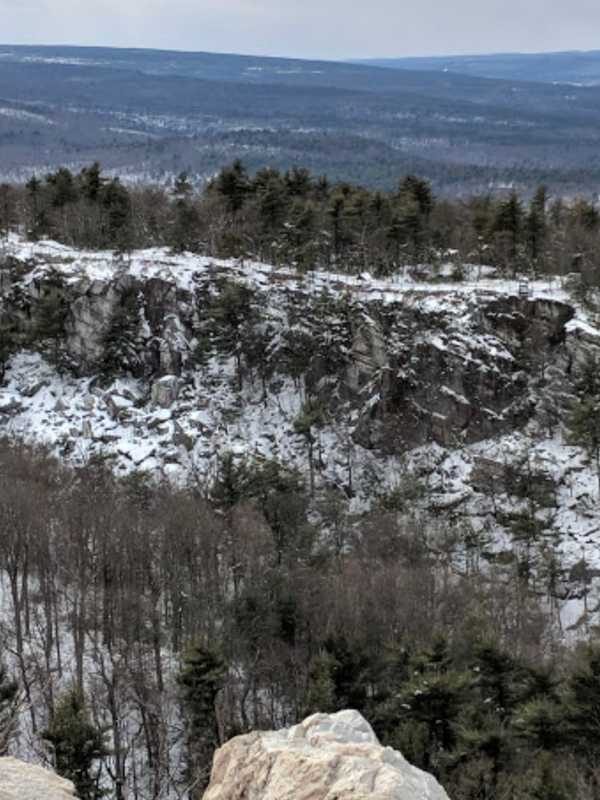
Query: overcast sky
{"type": "Point", "coordinates": [308, 28]}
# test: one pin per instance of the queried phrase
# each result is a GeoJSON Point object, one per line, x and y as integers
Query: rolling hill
{"type": "Point", "coordinates": [151, 114]}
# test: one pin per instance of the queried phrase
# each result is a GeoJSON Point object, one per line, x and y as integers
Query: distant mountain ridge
{"type": "Point", "coordinates": [150, 115]}
{"type": "Point", "coordinates": [576, 67]}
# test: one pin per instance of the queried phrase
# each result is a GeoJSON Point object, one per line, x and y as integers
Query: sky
{"type": "Point", "coordinates": [330, 29]}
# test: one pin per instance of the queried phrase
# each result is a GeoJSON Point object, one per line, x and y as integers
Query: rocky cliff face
{"type": "Point", "coordinates": [326, 757]}
{"type": "Point", "coordinates": [409, 365]}
{"type": "Point", "coordinates": [158, 365]}
{"type": "Point", "coordinates": [20, 781]}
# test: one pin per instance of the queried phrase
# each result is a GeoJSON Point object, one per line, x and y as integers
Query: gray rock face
{"type": "Point", "coordinates": [165, 391]}
{"type": "Point", "coordinates": [326, 757]}
{"type": "Point", "coordinates": [452, 378]}
{"type": "Point", "coordinates": [20, 781]}
{"type": "Point", "coordinates": [450, 368]}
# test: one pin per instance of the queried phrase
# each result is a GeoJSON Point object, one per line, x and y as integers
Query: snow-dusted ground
{"type": "Point", "coordinates": [79, 418]}
{"type": "Point", "coordinates": [182, 270]}
{"type": "Point", "coordinates": [182, 443]}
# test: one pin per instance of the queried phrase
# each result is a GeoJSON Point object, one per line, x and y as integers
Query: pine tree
{"type": "Point", "coordinates": [583, 704]}
{"type": "Point", "coordinates": [51, 317]}
{"type": "Point", "coordinates": [540, 722]}
{"type": "Point", "coordinates": [201, 679]}
{"type": "Point", "coordinates": [78, 745]}
{"type": "Point", "coordinates": [183, 235]}
{"type": "Point", "coordinates": [230, 485]}
{"type": "Point", "coordinates": [91, 182]}
{"type": "Point", "coordinates": [116, 201]}
{"type": "Point", "coordinates": [508, 227]}
{"type": "Point", "coordinates": [120, 342]}
{"type": "Point", "coordinates": [62, 188]}
{"type": "Point", "coordinates": [37, 222]}
{"type": "Point", "coordinates": [312, 416]}
{"type": "Point", "coordinates": [535, 224]}
{"type": "Point", "coordinates": [420, 191]}
{"type": "Point", "coordinates": [234, 185]}
{"type": "Point", "coordinates": [231, 318]}
{"type": "Point", "coordinates": [8, 208]}
{"type": "Point", "coordinates": [321, 690]}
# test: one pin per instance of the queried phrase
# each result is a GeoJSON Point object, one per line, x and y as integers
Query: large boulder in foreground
{"type": "Point", "coordinates": [19, 781]}
{"type": "Point", "coordinates": [326, 757]}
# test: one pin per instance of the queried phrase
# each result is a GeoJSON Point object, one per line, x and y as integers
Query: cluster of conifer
{"type": "Point", "coordinates": [295, 218]}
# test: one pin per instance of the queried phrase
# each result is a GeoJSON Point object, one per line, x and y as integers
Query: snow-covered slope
{"type": "Point", "coordinates": [463, 387]}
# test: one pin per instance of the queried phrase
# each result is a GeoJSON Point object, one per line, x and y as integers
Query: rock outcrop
{"type": "Point", "coordinates": [20, 781]}
{"type": "Point", "coordinates": [408, 365]}
{"type": "Point", "coordinates": [326, 757]}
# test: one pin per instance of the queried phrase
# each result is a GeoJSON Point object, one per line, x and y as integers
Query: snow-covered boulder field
{"type": "Point", "coordinates": [326, 757]}
{"type": "Point", "coordinates": [20, 781]}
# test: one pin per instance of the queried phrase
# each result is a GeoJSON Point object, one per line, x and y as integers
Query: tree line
{"type": "Point", "coordinates": [296, 218]}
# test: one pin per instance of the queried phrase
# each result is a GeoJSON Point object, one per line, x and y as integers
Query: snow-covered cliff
{"type": "Point", "coordinates": [462, 387]}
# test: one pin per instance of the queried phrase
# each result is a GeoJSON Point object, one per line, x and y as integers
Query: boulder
{"type": "Point", "coordinates": [119, 407]}
{"type": "Point", "coordinates": [165, 391]}
{"type": "Point", "coordinates": [20, 781]}
{"type": "Point", "coordinates": [326, 757]}
{"type": "Point", "coordinates": [9, 404]}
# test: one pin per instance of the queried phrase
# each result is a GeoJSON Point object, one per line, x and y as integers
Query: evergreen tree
{"type": "Point", "coordinates": [298, 182]}
{"type": "Point", "coordinates": [312, 416]}
{"type": "Point", "coordinates": [91, 182]}
{"type": "Point", "coordinates": [508, 227]}
{"type": "Point", "coordinates": [583, 704]}
{"type": "Point", "coordinates": [535, 224]}
{"type": "Point", "coordinates": [78, 745]}
{"type": "Point", "coordinates": [231, 483]}
{"type": "Point", "coordinates": [8, 208]}
{"type": "Point", "coordinates": [321, 690]}
{"type": "Point", "coordinates": [419, 191]}
{"type": "Point", "coordinates": [231, 319]}
{"type": "Point", "coordinates": [62, 188]}
{"type": "Point", "coordinates": [120, 345]}
{"type": "Point", "coordinates": [540, 722]}
{"type": "Point", "coordinates": [37, 222]}
{"type": "Point", "coordinates": [116, 201]}
{"type": "Point", "coordinates": [184, 232]}
{"type": "Point", "coordinates": [201, 679]}
{"type": "Point", "coordinates": [428, 706]}
{"type": "Point", "coordinates": [51, 317]}
{"type": "Point", "coordinates": [234, 185]}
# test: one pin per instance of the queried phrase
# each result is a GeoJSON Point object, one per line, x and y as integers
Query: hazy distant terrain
{"type": "Point", "coordinates": [575, 67]}
{"type": "Point", "coordinates": [152, 114]}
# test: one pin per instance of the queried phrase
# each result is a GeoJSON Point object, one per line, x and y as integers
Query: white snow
{"type": "Point", "coordinates": [119, 422]}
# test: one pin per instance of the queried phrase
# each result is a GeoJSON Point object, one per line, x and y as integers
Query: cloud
{"type": "Point", "coordinates": [311, 28]}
